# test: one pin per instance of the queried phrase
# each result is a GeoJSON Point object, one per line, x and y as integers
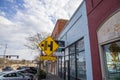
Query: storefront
{"type": "Point", "coordinates": [72, 66]}
{"type": "Point", "coordinates": [92, 42]}
{"type": "Point", "coordinates": [76, 62]}
{"type": "Point", "coordinates": [109, 46]}
{"type": "Point", "coordinates": [104, 33]}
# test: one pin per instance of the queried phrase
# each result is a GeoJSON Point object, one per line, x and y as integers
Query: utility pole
{"type": "Point", "coordinates": [4, 55]}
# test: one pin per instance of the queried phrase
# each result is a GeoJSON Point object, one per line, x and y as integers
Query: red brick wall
{"type": "Point", "coordinates": [97, 12]}
{"type": "Point", "coordinates": [60, 24]}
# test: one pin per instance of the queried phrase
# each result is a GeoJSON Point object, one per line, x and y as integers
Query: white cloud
{"type": "Point", "coordinates": [38, 16]}
{"type": "Point", "coordinates": [2, 13]}
{"type": "Point", "coordinates": [4, 21]}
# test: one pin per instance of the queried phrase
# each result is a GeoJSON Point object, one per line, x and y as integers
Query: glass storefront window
{"type": "Point", "coordinates": [81, 66]}
{"type": "Point", "coordinates": [72, 49]}
{"type": "Point", "coordinates": [112, 60]}
{"type": "Point", "coordinates": [72, 62]}
{"type": "Point", "coordinates": [59, 66]}
{"type": "Point", "coordinates": [80, 45]}
{"type": "Point", "coordinates": [72, 67]}
{"type": "Point", "coordinates": [66, 67]}
{"type": "Point", "coordinates": [63, 67]}
{"type": "Point", "coordinates": [81, 63]}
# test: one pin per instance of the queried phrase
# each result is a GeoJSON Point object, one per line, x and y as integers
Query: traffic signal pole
{"type": "Point", "coordinates": [4, 55]}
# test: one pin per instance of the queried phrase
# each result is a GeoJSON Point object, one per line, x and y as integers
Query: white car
{"type": "Point", "coordinates": [26, 73]}
{"type": "Point", "coordinates": [13, 75]}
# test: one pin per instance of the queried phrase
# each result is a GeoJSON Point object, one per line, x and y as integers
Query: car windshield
{"type": "Point", "coordinates": [1, 73]}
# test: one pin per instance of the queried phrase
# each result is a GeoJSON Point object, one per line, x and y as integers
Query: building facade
{"type": "Point", "coordinates": [60, 24]}
{"type": "Point", "coordinates": [92, 42]}
{"type": "Point", "coordinates": [76, 62]}
{"type": "Point", "coordinates": [104, 32]}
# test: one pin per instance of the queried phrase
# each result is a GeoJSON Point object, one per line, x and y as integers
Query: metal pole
{"type": "Point", "coordinates": [4, 55]}
{"type": "Point", "coordinates": [39, 76]}
{"type": "Point", "coordinates": [46, 69]}
{"type": "Point", "coordinates": [39, 73]}
{"type": "Point", "coordinates": [54, 70]}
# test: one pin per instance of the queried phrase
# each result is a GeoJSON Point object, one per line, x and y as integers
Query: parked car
{"type": "Point", "coordinates": [26, 73]}
{"type": "Point", "coordinates": [13, 75]}
{"type": "Point", "coordinates": [7, 68]}
{"type": "Point", "coordinates": [32, 70]}
{"type": "Point", "coordinates": [21, 67]}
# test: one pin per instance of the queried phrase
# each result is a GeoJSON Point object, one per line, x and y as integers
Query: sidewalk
{"type": "Point", "coordinates": [52, 77]}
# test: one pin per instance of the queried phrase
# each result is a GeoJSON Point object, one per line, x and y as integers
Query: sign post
{"type": "Point", "coordinates": [48, 46]}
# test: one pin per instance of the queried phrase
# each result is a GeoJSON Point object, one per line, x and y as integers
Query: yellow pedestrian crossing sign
{"type": "Point", "coordinates": [50, 58]}
{"type": "Point", "coordinates": [48, 45]}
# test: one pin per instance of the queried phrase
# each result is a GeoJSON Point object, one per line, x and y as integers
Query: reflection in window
{"type": "Point", "coordinates": [112, 57]}
{"type": "Point", "coordinates": [72, 67]}
{"type": "Point", "coordinates": [66, 67]}
{"type": "Point", "coordinates": [81, 63]}
{"type": "Point", "coordinates": [72, 63]}
{"type": "Point", "coordinates": [59, 66]}
{"type": "Point", "coordinates": [63, 67]}
{"type": "Point", "coordinates": [80, 45]}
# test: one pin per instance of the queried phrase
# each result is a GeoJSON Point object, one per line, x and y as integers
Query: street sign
{"type": "Point", "coordinates": [61, 50]}
{"type": "Point", "coordinates": [48, 45]}
{"type": "Point", "coordinates": [58, 54]}
{"type": "Point", "coordinates": [60, 43]}
{"type": "Point", "coordinates": [48, 58]}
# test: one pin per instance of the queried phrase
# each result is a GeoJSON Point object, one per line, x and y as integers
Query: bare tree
{"type": "Point", "coordinates": [33, 41]}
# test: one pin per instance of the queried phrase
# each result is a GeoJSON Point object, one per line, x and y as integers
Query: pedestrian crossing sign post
{"type": "Point", "coordinates": [48, 45]}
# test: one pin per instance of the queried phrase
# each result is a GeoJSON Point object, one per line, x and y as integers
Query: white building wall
{"type": "Point", "coordinates": [76, 29]}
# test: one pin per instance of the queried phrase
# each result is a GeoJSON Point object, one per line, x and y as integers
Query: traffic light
{"type": "Point", "coordinates": [17, 57]}
{"type": "Point", "coordinates": [7, 56]}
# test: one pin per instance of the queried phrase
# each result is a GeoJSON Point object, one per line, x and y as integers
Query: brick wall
{"type": "Point", "coordinates": [60, 24]}
{"type": "Point", "coordinates": [98, 11]}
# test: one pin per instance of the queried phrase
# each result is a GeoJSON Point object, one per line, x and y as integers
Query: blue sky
{"type": "Point", "coordinates": [22, 18]}
{"type": "Point", "coordinates": [10, 7]}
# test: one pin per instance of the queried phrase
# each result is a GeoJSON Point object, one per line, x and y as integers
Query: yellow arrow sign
{"type": "Point", "coordinates": [48, 45]}
{"type": "Point", "coordinates": [48, 58]}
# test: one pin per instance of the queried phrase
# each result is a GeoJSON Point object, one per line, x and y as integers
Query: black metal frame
{"type": "Point", "coordinates": [69, 61]}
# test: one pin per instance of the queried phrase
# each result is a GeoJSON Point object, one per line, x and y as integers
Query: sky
{"type": "Point", "coordinates": [20, 19]}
